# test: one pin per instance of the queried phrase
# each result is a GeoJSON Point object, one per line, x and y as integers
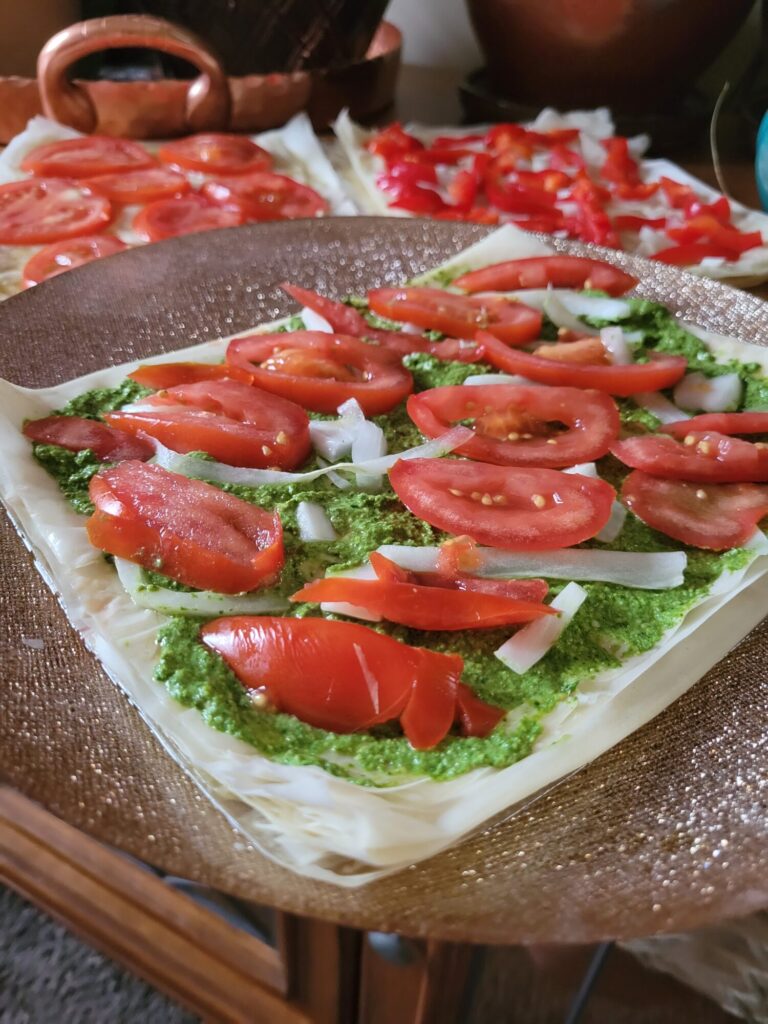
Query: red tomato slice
{"type": "Point", "coordinates": [76, 435]}
{"type": "Point", "coordinates": [457, 315]}
{"type": "Point", "coordinates": [85, 156]}
{"type": "Point", "coordinates": [476, 717]}
{"type": "Point", "coordinates": [39, 211]}
{"type": "Point", "coordinates": [215, 153]}
{"type": "Point", "coordinates": [346, 320]}
{"type": "Point", "coordinates": [167, 218]}
{"type": "Point", "coordinates": [186, 529]}
{"type": "Point", "coordinates": [660, 372]}
{"type": "Point", "coordinates": [712, 516]}
{"type": "Point", "coordinates": [529, 509]}
{"type": "Point", "coordinates": [55, 259]}
{"type": "Point", "coordinates": [142, 186]}
{"type": "Point", "coordinates": [320, 371]}
{"type": "Point", "coordinates": [542, 271]}
{"type": "Point", "coordinates": [265, 196]}
{"type": "Point", "coordinates": [703, 457]}
{"type": "Point", "coordinates": [693, 253]}
{"type": "Point", "coordinates": [234, 422]}
{"type": "Point", "coordinates": [423, 607]}
{"type": "Point", "coordinates": [720, 423]}
{"type": "Point", "coordinates": [170, 375]}
{"type": "Point", "coordinates": [521, 426]}
{"type": "Point", "coordinates": [339, 675]}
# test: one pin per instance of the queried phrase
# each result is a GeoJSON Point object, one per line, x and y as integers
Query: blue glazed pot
{"type": "Point", "coordinates": [761, 162]}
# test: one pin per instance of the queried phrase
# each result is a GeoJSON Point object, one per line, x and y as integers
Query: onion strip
{"type": "Point", "coordinates": [529, 644]}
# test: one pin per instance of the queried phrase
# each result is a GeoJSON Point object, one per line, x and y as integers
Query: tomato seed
{"type": "Point", "coordinates": [538, 500]}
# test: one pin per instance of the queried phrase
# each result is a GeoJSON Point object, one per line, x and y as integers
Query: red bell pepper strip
{"type": "Point", "coordinates": [591, 223]}
{"type": "Point", "coordinates": [693, 254]}
{"type": "Point", "coordinates": [705, 228]}
{"type": "Point", "coordinates": [413, 198]}
{"type": "Point", "coordinates": [630, 222]}
{"type": "Point", "coordinates": [393, 141]}
{"type": "Point", "coordinates": [620, 166]}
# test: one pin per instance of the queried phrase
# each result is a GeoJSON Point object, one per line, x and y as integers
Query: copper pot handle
{"type": "Point", "coordinates": [208, 100]}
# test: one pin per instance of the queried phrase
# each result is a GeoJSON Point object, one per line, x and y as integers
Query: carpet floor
{"type": "Point", "coordinates": [48, 975]}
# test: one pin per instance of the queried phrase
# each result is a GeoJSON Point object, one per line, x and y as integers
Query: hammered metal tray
{"type": "Point", "coordinates": [666, 832]}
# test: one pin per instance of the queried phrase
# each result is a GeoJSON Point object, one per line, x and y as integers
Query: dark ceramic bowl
{"type": "Point", "coordinates": [632, 55]}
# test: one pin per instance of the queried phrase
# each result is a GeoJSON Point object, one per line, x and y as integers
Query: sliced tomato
{"type": "Point", "coordinates": [141, 186]}
{"type": "Point", "coordinates": [188, 530]}
{"type": "Point", "coordinates": [519, 425]}
{"type": "Point", "coordinates": [85, 156]}
{"type": "Point", "coordinates": [704, 457]}
{"type": "Point", "coordinates": [346, 320]}
{"type": "Point", "coordinates": [527, 510]}
{"type": "Point", "coordinates": [339, 675]}
{"type": "Point", "coordinates": [234, 422]}
{"type": "Point", "coordinates": [712, 516]}
{"type": "Point", "coordinates": [320, 371]}
{"type": "Point", "coordinates": [266, 196]}
{"type": "Point", "coordinates": [458, 315]}
{"type": "Point", "coordinates": [185, 215]}
{"type": "Point", "coordinates": [77, 435]}
{"type": "Point", "coordinates": [542, 271]}
{"type": "Point", "coordinates": [43, 210]}
{"type": "Point", "coordinates": [693, 253]}
{"type": "Point", "coordinates": [170, 375]}
{"type": "Point", "coordinates": [721, 423]}
{"type": "Point", "coordinates": [476, 717]}
{"type": "Point", "coordinates": [55, 259]}
{"type": "Point", "coordinates": [215, 153]}
{"type": "Point", "coordinates": [660, 372]}
{"type": "Point", "coordinates": [423, 607]}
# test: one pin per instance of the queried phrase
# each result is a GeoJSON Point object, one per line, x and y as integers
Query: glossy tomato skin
{"type": "Point", "coordinates": [77, 435]}
{"type": "Point", "coordinates": [720, 423]}
{"type": "Point", "coordinates": [660, 372]}
{"type": "Point", "coordinates": [320, 371]}
{"type": "Point", "coordinates": [423, 607]}
{"type": "Point", "coordinates": [476, 717]}
{"type": "Point", "coordinates": [141, 186]}
{"type": "Point", "coordinates": [339, 675]}
{"type": "Point", "coordinates": [264, 196]}
{"type": "Point", "coordinates": [560, 271]}
{"type": "Point", "coordinates": [215, 153]}
{"type": "Point", "coordinates": [458, 315]}
{"type": "Point", "coordinates": [518, 509]}
{"type": "Point", "coordinates": [55, 259]}
{"type": "Point", "coordinates": [40, 211]}
{"type": "Point", "coordinates": [87, 155]}
{"type": "Point", "coordinates": [186, 529]}
{"type": "Point", "coordinates": [234, 422]}
{"type": "Point", "coordinates": [703, 457]}
{"type": "Point", "coordinates": [711, 516]}
{"type": "Point", "coordinates": [161, 376]}
{"type": "Point", "coordinates": [503, 414]}
{"type": "Point", "coordinates": [183, 215]}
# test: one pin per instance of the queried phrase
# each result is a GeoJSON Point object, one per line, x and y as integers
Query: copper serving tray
{"type": "Point", "coordinates": [211, 102]}
{"type": "Point", "coordinates": [664, 832]}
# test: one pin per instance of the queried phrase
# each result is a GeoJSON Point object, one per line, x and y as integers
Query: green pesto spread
{"type": "Point", "coordinates": [614, 623]}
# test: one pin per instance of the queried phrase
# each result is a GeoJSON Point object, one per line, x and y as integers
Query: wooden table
{"type": "Point", "coordinates": [314, 971]}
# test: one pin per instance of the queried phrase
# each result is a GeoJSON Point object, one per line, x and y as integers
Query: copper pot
{"type": "Point", "coordinates": [633, 55]}
{"type": "Point", "coordinates": [212, 101]}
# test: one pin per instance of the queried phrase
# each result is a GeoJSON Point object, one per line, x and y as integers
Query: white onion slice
{"type": "Point", "coordinates": [197, 602]}
{"type": "Point", "coordinates": [532, 642]}
{"type": "Point", "coordinates": [583, 469]}
{"type": "Point", "coordinates": [557, 311]}
{"type": "Point", "coordinates": [313, 522]}
{"type": "Point", "coordinates": [709, 394]}
{"type": "Point", "coordinates": [661, 407]}
{"type": "Point", "coordinates": [498, 378]}
{"type": "Point", "coordinates": [333, 438]}
{"type": "Point", "coordinates": [369, 443]}
{"type": "Point", "coordinates": [218, 472]}
{"type": "Point", "coordinates": [616, 345]}
{"type": "Point", "coordinates": [615, 524]}
{"type": "Point", "coordinates": [639, 569]}
{"type": "Point", "coordinates": [314, 322]}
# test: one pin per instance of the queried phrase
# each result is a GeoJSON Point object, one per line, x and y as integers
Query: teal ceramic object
{"type": "Point", "coordinates": [761, 162]}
